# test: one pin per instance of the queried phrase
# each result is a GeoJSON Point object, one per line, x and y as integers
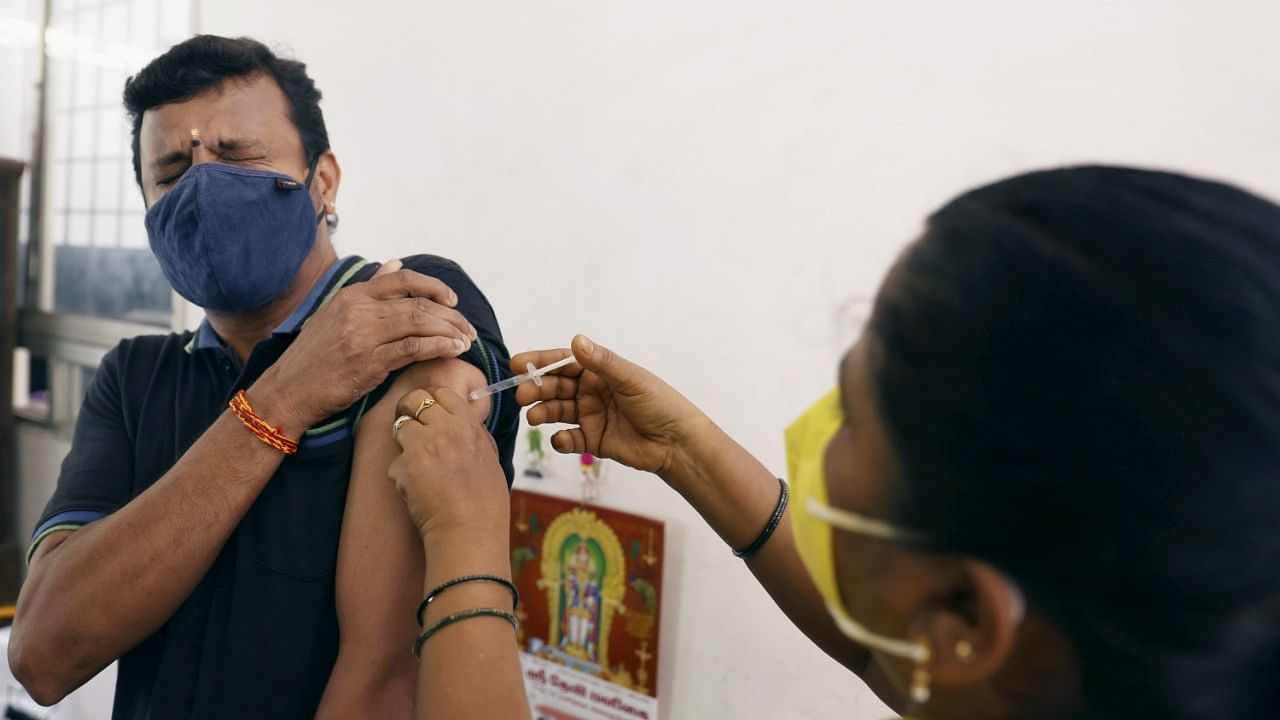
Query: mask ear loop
{"type": "Point", "coordinates": [917, 652]}
{"type": "Point", "coordinates": [311, 173]}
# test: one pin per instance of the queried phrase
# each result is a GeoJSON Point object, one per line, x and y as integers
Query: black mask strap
{"type": "Point", "coordinates": [311, 173]}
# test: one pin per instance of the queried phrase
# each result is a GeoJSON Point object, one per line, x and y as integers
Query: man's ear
{"type": "Point", "coordinates": [972, 632]}
{"type": "Point", "coordinates": [324, 185]}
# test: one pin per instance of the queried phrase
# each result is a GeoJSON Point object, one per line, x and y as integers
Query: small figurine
{"type": "Point", "coordinates": [535, 456]}
{"type": "Point", "coordinates": [590, 469]}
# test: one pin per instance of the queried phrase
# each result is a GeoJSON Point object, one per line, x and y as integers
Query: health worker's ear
{"type": "Point", "coordinates": [973, 626]}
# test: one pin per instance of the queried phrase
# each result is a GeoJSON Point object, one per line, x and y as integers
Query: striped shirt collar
{"type": "Point", "coordinates": [206, 338]}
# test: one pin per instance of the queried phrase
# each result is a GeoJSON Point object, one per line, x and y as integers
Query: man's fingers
{"type": "Point", "coordinates": [402, 326]}
{"type": "Point", "coordinates": [397, 354]}
{"type": "Point", "coordinates": [569, 441]}
{"type": "Point", "coordinates": [407, 283]}
{"type": "Point", "coordinates": [543, 358]}
{"type": "Point", "coordinates": [389, 266]}
{"type": "Point", "coordinates": [411, 315]}
{"type": "Point", "coordinates": [553, 411]}
{"type": "Point", "coordinates": [553, 387]}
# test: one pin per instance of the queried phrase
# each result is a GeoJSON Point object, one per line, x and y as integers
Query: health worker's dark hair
{"type": "Point", "coordinates": [1079, 371]}
{"type": "Point", "coordinates": [203, 63]}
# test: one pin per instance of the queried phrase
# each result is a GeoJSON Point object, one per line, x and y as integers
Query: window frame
{"type": "Point", "coordinates": [70, 343]}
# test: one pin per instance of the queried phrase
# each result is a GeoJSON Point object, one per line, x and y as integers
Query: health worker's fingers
{"type": "Point", "coordinates": [411, 435]}
{"type": "Point", "coordinates": [542, 358]}
{"type": "Point", "coordinates": [553, 411]}
{"type": "Point", "coordinates": [407, 283]}
{"type": "Point", "coordinates": [554, 387]}
{"type": "Point", "coordinates": [450, 401]}
{"type": "Point", "coordinates": [569, 441]}
{"type": "Point", "coordinates": [615, 369]}
{"type": "Point", "coordinates": [411, 404]}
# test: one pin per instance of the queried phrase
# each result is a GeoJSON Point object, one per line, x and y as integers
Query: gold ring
{"type": "Point", "coordinates": [429, 402]}
{"type": "Point", "coordinates": [399, 423]}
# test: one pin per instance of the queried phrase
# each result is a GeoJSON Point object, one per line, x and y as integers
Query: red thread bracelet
{"type": "Point", "coordinates": [263, 430]}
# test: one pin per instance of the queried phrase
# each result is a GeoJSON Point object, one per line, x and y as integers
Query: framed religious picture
{"type": "Point", "coordinates": [590, 583]}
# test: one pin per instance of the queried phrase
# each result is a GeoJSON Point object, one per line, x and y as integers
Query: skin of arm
{"type": "Point", "coordinates": [469, 670]}
{"type": "Point", "coordinates": [451, 482]}
{"type": "Point", "coordinates": [380, 561]}
{"type": "Point", "coordinates": [735, 493]}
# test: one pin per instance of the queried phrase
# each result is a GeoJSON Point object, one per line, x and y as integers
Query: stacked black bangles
{"type": "Point", "coordinates": [778, 511]}
{"type": "Point", "coordinates": [465, 614]}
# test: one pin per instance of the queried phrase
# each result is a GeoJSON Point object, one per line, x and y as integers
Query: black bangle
{"type": "Point", "coordinates": [772, 525]}
{"type": "Point", "coordinates": [515, 594]}
{"type": "Point", "coordinates": [459, 617]}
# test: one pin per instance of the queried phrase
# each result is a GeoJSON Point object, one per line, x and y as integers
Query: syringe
{"type": "Point", "coordinates": [534, 374]}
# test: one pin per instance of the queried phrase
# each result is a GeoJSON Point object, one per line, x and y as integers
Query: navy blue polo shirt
{"type": "Point", "coordinates": [258, 636]}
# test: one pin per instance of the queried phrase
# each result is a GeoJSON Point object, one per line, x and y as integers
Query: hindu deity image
{"type": "Point", "coordinates": [580, 604]}
{"type": "Point", "coordinates": [590, 581]}
{"type": "Point", "coordinates": [584, 575]}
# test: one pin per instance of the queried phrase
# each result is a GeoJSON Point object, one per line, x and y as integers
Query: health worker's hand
{"type": "Point", "coordinates": [622, 411]}
{"type": "Point", "coordinates": [352, 344]}
{"type": "Point", "coordinates": [448, 470]}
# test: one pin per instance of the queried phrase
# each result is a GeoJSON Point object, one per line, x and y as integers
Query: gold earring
{"type": "Point", "coordinates": [920, 678]}
{"type": "Point", "coordinates": [964, 650]}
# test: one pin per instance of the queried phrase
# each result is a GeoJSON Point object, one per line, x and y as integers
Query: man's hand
{"type": "Point", "coordinates": [352, 344]}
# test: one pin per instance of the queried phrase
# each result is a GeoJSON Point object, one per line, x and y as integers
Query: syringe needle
{"type": "Point", "coordinates": [533, 374]}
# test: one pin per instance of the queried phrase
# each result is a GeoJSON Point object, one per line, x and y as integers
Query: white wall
{"type": "Point", "coordinates": [714, 188]}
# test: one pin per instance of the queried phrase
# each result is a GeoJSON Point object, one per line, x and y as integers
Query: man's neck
{"type": "Point", "coordinates": [241, 331]}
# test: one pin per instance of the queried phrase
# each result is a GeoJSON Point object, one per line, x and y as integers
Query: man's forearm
{"type": "Point", "coordinates": [93, 594]}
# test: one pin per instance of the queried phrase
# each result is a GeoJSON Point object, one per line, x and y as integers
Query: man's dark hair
{"type": "Point", "coordinates": [204, 62]}
{"type": "Point", "coordinates": [1079, 371]}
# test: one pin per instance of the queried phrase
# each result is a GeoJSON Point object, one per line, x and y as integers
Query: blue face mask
{"type": "Point", "coordinates": [230, 239]}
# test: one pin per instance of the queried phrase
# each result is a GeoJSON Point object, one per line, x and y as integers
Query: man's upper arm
{"type": "Point", "coordinates": [454, 373]}
{"type": "Point", "coordinates": [97, 473]}
{"type": "Point", "coordinates": [488, 354]}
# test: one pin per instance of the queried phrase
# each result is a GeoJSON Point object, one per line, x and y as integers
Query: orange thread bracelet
{"type": "Point", "coordinates": [259, 427]}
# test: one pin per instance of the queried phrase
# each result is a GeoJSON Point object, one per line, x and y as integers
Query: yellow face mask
{"type": "Point", "coordinates": [812, 520]}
